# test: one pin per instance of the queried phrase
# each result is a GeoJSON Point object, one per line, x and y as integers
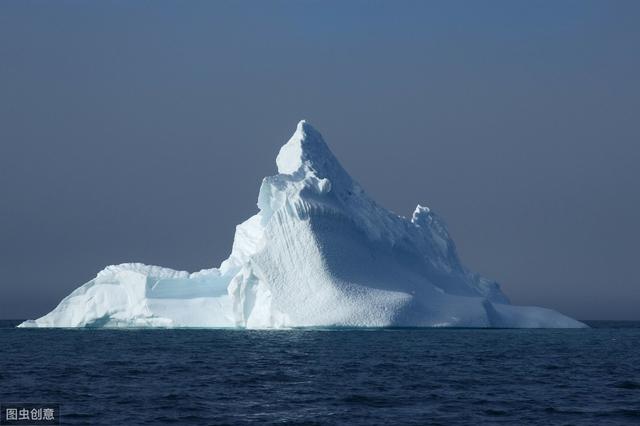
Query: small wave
{"type": "Point", "coordinates": [627, 384]}
{"type": "Point", "coordinates": [494, 412]}
{"type": "Point", "coordinates": [622, 412]}
{"type": "Point", "coordinates": [369, 401]}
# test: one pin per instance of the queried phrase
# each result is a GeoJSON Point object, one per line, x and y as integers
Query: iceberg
{"type": "Point", "coordinates": [319, 253]}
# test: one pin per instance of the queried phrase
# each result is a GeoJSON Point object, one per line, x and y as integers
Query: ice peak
{"type": "Point", "coordinates": [420, 214]}
{"type": "Point", "coordinates": [306, 148]}
{"type": "Point", "coordinates": [304, 126]}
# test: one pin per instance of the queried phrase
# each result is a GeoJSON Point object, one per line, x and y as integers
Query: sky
{"type": "Point", "coordinates": [140, 131]}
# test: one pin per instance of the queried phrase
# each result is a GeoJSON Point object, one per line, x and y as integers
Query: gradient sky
{"type": "Point", "coordinates": [140, 131]}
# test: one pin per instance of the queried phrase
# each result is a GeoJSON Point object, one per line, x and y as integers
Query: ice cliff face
{"type": "Point", "coordinates": [320, 252]}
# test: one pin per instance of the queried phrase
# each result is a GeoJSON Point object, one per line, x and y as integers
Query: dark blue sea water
{"type": "Point", "coordinates": [355, 377]}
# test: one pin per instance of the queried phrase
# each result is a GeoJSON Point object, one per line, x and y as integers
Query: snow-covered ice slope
{"type": "Point", "coordinates": [320, 252]}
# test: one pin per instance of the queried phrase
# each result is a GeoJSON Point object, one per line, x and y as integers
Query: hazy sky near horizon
{"type": "Point", "coordinates": [140, 131]}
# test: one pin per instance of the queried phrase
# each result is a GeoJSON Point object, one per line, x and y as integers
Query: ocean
{"type": "Point", "coordinates": [327, 376]}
